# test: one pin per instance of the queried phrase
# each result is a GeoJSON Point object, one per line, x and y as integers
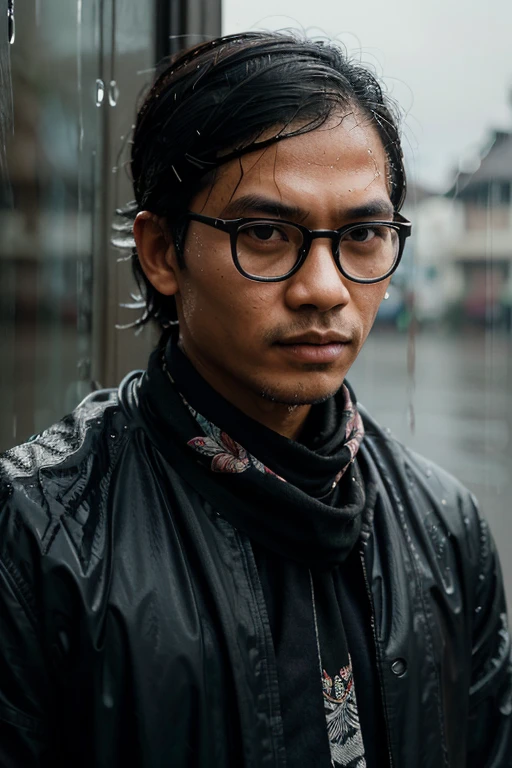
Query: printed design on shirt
{"type": "Point", "coordinates": [343, 727]}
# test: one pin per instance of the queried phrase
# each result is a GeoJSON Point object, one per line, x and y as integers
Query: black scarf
{"type": "Point", "coordinates": [301, 501]}
{"type": "Point", "coordinates": [303, 519]}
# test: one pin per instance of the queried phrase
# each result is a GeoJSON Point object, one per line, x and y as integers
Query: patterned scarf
{"type": "Point", "coordinates": [227, 457]}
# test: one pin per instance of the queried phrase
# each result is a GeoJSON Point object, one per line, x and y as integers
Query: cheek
{"type": "Point", "coordinates": [217, 301]}
{"type": "Point", "coordinates": [367, 300]}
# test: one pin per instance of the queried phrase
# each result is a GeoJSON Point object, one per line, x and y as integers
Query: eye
{"type": "Point", "coordinates": [266, 232]}
{"type": "Point", "coordinates": [362, 234]}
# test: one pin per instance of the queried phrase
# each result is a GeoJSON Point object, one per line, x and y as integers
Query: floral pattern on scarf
{"type": "Point", "coordinates": [229, 456]}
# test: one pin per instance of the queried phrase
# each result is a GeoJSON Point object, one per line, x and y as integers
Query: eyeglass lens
{"type": "Point", "coordinates": [267, 249]}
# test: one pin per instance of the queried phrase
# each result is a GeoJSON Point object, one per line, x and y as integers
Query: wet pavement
{"type": "Point", "coordinates": [460, 400]}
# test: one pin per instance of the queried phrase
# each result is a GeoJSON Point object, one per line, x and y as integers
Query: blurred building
{"type": "Point", "coordinates": [482, 251]}
{"type": "Point", "coordinates": [427, 284]}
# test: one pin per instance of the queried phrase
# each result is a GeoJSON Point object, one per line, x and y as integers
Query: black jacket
{"type": "Point", "coordinates": [133, 628]}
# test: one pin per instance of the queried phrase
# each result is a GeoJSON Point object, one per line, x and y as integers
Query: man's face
{"type": "Point", "coordinates": [238, 332]}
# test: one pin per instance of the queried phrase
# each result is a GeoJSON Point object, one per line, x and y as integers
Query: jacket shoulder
{"type": "Point", "coordinates": [57, 443]}
{"type": "Point", "coordinates": [391, 458]}
{"type": "Point", "coordinates": [49, 482]}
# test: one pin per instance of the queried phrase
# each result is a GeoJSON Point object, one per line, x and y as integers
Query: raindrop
{"type": "Point", "coordinates": [466, 522]}
{"type": "Point", "coordinates": [443, 502]}
{"type": "Point", "coordinates": [478, 609]}
{"type": "Point", "coordinates": [428, 473]}
{"type": "Point", "coordinates": [113, 435]}
{"type": "Point", "coordinates": [100, 92]}
{"type": "Point", "coordinates": [113, 93]}
{"type": "Point", "coordinates": [448, 581]}
{"type": "Point", "coordinates": [481, 577]}
{"type": "Point", "coordinates": [11, 25]}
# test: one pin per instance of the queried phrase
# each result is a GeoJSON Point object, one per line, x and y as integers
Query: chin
{"type": "Point", "coordinates": [299, 392]}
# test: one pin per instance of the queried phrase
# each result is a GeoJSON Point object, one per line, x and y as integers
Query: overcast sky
{"type": "Point", "coordinates": [449, 64]}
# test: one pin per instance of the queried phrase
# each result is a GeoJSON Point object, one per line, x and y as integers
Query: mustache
{"type": "Point", "coordinates": [310, 323]}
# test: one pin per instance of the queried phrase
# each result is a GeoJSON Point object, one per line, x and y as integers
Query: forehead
{"type": "Point", "coordinates": [339, 165]}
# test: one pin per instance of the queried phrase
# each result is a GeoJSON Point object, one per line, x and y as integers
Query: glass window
{"type": "Point", "coordinates": [77, 70]}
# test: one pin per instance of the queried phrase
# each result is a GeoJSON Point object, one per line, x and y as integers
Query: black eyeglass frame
{"type": "Point", "coordinates": [232, 226]}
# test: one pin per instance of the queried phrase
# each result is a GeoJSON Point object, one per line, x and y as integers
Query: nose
{"type": "Point", "coordinates": [318, 283]}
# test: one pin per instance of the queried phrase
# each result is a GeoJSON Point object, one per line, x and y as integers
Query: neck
{"type": "Point", "coordinates": [286, 420]}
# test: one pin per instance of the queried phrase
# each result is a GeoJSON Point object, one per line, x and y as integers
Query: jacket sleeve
{"type": "Point", "coordinates": [25, 687]}
{"type": "Point", "coordinates": [490, 701]}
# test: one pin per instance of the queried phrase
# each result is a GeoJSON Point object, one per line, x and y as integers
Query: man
{"type": "Point", "coordinates": [227, 562]}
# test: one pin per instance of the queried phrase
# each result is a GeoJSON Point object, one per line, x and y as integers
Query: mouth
{"type": "Point", "coordinates": [315, 348]}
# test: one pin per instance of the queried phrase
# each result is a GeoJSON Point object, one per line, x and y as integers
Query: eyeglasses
{"type": "Point", "coordinates": [271, 250]}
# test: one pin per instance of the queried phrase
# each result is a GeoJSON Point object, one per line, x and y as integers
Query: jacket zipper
{"type": "Point", "coordinates": [374, 632]}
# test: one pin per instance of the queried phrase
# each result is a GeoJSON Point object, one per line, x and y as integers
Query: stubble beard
{"type": "Point", "coordinates": [298, 395]}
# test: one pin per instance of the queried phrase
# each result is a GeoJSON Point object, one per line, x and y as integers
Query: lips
{"type": "Point", "coordinates": [316, 338]}
{"type": "Point", "coordinates": [315, 347]}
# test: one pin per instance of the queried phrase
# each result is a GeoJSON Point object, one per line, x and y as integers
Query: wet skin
{"type": "Point", "coordinates": [237, 332]}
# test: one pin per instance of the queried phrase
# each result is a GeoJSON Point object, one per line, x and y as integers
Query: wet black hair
{"type": "Point", "coordinates": [214, 102]}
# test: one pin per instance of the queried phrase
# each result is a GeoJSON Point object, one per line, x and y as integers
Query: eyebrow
{"type": "Point", "coordinates": [262, 204]}
{"type": "Point", "coordinates": [277, 208]}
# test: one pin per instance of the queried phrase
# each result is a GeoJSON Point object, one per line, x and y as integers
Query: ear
{"type": "Point", "coordinates": [156, 252]}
